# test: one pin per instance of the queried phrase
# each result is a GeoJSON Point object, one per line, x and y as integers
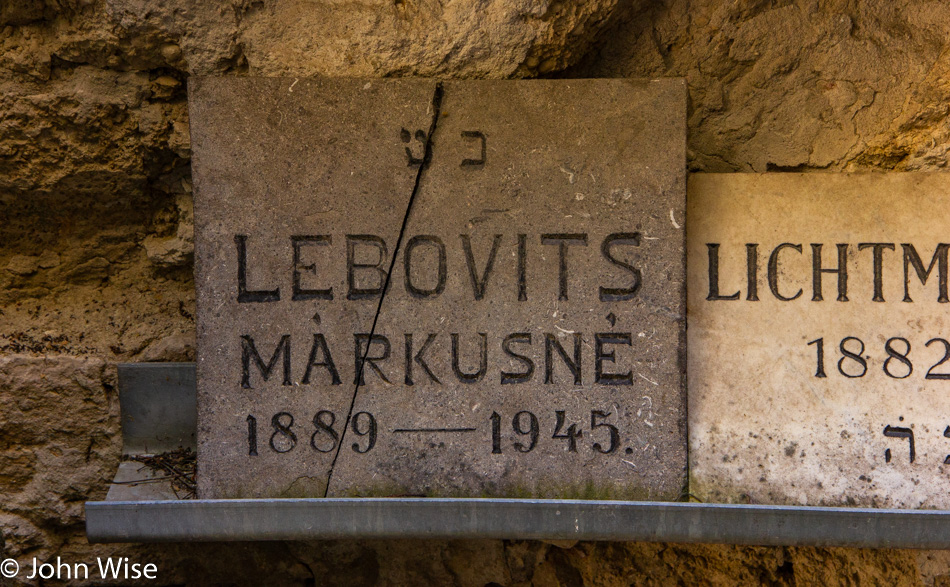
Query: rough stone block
{"type": "Point", "coordinates": [530, 341]}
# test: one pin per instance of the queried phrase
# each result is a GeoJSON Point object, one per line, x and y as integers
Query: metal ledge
{"type": "Point", "coordinates": [317, 519]}
{"type": "Point", "coordinates": [158, 407]}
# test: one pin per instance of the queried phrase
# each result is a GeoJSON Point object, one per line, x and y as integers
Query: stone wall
{"type": "Point", "coordinates": [96, 222]}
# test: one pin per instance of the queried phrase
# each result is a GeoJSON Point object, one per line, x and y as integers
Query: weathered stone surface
{"type": "Point", "coordinates": [795, 86]}
{"type": "Point", "coordinates": [579, 216]}
{"type": "Point", "coordinates": [606, 166]}
{"type": "Point", "coordinates": [816, 400]}
{"type": "Point", "coordinates": [367, 38]}
{"type": "Point", "coordinates": [40, 458]}
{"type": "Point", "coordinates": [277, 159]}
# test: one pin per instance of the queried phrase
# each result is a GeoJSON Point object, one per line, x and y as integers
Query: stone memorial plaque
{"type": "Point", "coordinates": [530, 341]}
{"type": "Point", "coordinates": [819, 363]}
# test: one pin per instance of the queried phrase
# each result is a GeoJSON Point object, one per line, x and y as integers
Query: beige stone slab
{"type": "Point", "coordinates": [764, 426]}
{"type": "Point", "coordinates": [584, 163]}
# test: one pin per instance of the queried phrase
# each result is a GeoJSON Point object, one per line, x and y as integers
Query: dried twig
{"type": "Point", "coordinates": [179, 467]}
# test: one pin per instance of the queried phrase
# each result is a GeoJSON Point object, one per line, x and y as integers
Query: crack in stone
{"type": "Point", "coordinates": [437, 96]}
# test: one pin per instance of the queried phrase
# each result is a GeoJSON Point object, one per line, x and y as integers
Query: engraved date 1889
{"type": "Point", "coordinates": [325, 436]}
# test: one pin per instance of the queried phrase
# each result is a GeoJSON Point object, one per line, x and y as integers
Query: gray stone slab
{"type": "Point", "coordinates": [816, 363]}
{"type": "Point", "coordinates": [577, 186]}
{"type": "Point", "coordinates": [275, 159]}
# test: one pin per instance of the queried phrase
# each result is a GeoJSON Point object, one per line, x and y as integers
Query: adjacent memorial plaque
{"type": "Point", "coordinates": [408, 287]}
{"type": "Point", "coordinates": [819, 344]}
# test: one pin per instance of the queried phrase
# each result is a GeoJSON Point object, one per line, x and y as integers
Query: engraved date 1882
{"type": "Point", "coordinates": [853, 363]}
